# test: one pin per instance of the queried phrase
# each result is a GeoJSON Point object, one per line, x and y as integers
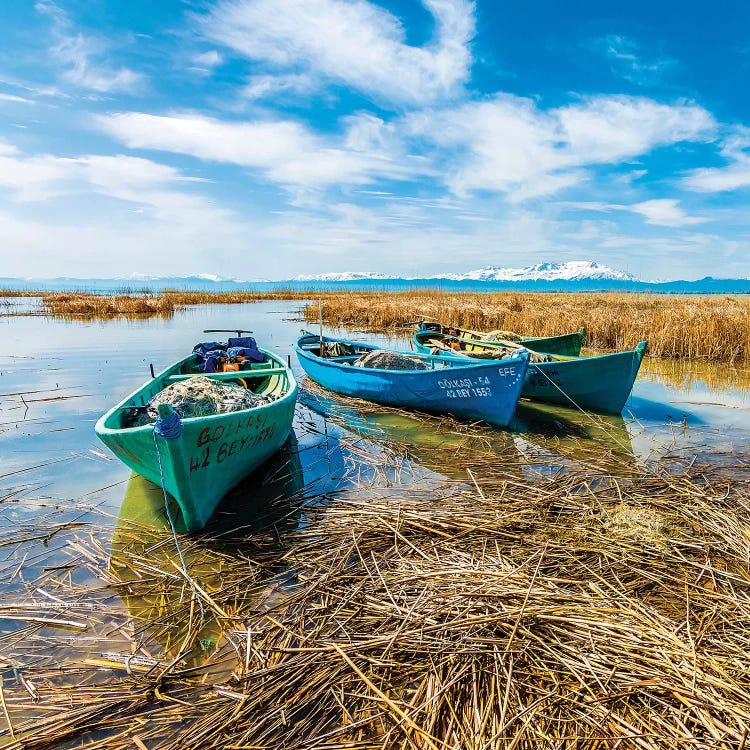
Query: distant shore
{"type": "Point", "coordinates": [708, 327]}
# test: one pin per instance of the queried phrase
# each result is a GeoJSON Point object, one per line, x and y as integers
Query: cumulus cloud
{"type": "Point", "coordinates": [351, 42]}
{"type": "Point", "coordinates": [286, 152]}
{"type": "Point", "coordinates": [509, 144]}
{"type": "Point", "coordinates": [84, 58]}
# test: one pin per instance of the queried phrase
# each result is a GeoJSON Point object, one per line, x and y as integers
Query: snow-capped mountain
{"type": "Point", "coordinates": [576, 270]}
{"type": "Point", "coordinates": [346, 276]}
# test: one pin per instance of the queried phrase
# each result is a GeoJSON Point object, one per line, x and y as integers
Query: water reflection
{"type": "Point", "coordinates": [540, 436]}
{"type": "Point", "coordinates": [247, 528]}
{"type": "Point", "coordinates": [687, 376]}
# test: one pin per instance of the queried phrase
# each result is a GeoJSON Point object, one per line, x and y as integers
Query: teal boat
{"type": "Point", "coordinates": [566, 344]}
{"type": "Point", "coordinates": [602, 383]}
{"type": "Point", "coordinates": [199, 459]}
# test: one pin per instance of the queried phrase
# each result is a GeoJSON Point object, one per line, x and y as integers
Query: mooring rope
{"type": "Point", "coordinates": [583, 411]}
{"type": "Point", "coordinates": [170, 428]}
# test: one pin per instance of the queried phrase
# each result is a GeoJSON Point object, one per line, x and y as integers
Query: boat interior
{"type": "Point", "coordinates": [442, 341]}
{"type": "Point", "coordinates": [269, 377]}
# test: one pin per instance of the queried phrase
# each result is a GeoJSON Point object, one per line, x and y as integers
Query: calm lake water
{"type": "Point", "coordinates": [57, 377]}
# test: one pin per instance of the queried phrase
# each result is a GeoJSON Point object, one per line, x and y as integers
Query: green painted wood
{"type": "Point", "coordinates": [566, 344]}
{"type": "Point", "coordinates": [214, 452]}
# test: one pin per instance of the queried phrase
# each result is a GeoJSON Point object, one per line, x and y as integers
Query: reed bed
{"type": "Point", "coordinates": [603, 604]}
{"type": "Point", "coordinates": [85, 305]}
{"type": "Point", "coordinates": [713, 328]}
{"type": "Point", "coordinates": [710, 328]}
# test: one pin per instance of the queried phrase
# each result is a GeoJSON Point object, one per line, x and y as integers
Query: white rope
{"type": "Point", "coordinates": [196, 594]}
{"type": "Point", "coordinates": [584, 412]}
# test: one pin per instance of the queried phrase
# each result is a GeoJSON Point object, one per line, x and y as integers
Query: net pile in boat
{"type": "Point", "coordinates": [384, 360]}
{"type": "Point", "coordinates": [202, 397]}
{"type": "Point", "coordinates": [501, 336]}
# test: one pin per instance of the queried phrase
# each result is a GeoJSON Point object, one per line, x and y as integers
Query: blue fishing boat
{"type": "Point", "coordinates": [601, 383]}
{"type": "Point", "coordinates": [485, 391]}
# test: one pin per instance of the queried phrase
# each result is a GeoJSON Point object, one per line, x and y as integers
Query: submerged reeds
{"type": "Point", "coordinates": [603, 603]}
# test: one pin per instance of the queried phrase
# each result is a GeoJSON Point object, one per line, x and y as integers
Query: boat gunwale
{"type": "Point", "coordinates": [101, 428]}
{"type": "Point", "coordinates": [639, 349]}
{"type": "Point", "coordinates": [522, 354]}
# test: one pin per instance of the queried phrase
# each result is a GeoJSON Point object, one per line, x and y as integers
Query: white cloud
{"type": "Point", "coordinates": [147, 217]}
{"type": "Point", "coordinates": [43, 176]}
{"type": "Point", "coordinates": [209, 59]}
{"type": "Point", "coordinates": [665, 212]}
{"type": "Point", "coordinates": [352, 42]}
{"type": "Point", "coordinates": [16, 99]}
{"type": "Point", "coordinates": [285, 151]}
{"type": "Point", "coordinates": [83, 58]}
{"type": "Point", "coordinates": [736, 149]}
{"type": "Point", "coordinates": [629, 62]}
{"type": "Point", "coordinates": [267, 86]}
{"type": "Point", "coordinates": [509, 144]}
{"type": "Point", "coordinates": [609, 129]}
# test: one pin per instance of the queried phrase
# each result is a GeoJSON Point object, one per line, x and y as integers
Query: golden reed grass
{"type": "Point", "coordinates": [715, 328]}
{"type": "Point", "coordinates": [81, 304]}
{"type": "Point", "coordinates": [711, 328]}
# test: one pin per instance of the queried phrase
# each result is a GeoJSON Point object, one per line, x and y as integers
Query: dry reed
{"type": "Point", "coordinates": [85, 305]}
{"type": "Point", "coordinates": [715, 328]}
{"type": "Point", "coordinates": [591, 608]}
{"type": "Point", "coordinates": [712, 328]}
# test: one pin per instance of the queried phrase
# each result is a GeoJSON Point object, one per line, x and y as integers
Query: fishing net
{"type": "Point", "coordinates": [384, 360]}
{"type": "Point", "coordinates": [501, 336]}
{"type": "Point", "coordinates": [201, 397]}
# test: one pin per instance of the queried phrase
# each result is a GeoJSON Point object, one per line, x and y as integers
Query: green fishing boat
{"type": "Point", "coordinates": [601, 383]}
{"type": "Point", "coordinates": [199, 459]}
{"type": "Point", "coordinates": [565, 344]}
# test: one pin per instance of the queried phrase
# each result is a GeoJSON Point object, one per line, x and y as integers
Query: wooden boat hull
{"type": "Point", "coordinates": [214, 452]}
{"type": "Point", "coordinates": [566, 345]}
{"type": "Point", "coordinates": [601, 383]}
{"type": "Point", "coordinates": [485, 391]}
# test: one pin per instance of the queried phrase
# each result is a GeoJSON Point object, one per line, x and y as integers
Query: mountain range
{"type": "Point", "coordinates": [573, 276]}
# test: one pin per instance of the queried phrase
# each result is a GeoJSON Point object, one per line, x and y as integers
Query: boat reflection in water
{"type": "Point", "coordinates": [231, 562]}
{"type": "Point", "coordinates": [552, 438]}
{"type": "Point", "coordinates": [539, 434]}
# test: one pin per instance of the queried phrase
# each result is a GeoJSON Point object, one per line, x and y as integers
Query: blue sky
{"type": "Point", "coordinates": [271, 138]}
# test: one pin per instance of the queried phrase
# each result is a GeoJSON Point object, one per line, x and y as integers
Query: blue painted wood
{"type": "Point", "coordinates": [485, 391]}
{"type": "Point", "coordinates": [602, 383]}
